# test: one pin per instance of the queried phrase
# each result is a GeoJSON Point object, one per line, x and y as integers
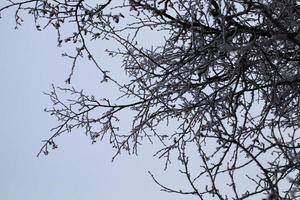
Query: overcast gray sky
{"type": "Point", "coordinates": [29, 63]}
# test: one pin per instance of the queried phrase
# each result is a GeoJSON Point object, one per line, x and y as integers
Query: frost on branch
{"type": "Point", "coordinates": [226, 77]}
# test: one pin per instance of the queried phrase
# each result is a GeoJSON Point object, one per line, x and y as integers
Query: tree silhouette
{"type": "Point", "coordinates": [227, 75]}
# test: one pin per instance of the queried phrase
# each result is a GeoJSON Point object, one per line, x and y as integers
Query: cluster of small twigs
{"type": "Point", "coordinates": [227, 75]}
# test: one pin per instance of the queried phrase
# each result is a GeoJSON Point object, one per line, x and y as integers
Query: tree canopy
{"type": "Point", "coordinates": [227, 75]}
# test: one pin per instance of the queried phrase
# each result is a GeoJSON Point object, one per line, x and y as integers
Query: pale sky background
{"type": "Point", "coordinates": [29, 63]}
